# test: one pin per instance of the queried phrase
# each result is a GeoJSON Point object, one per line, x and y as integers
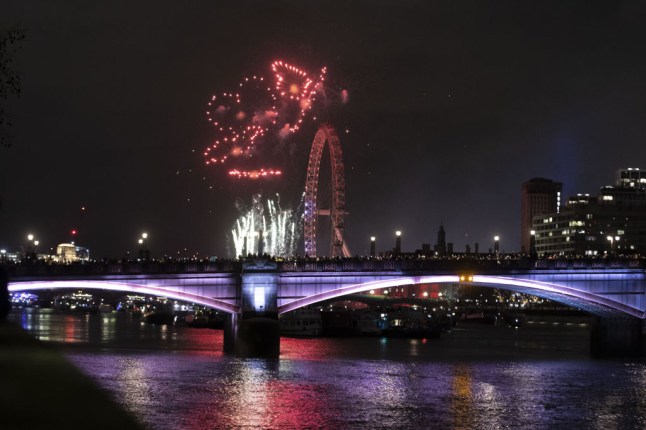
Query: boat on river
{"type": "Point", "coordinates": [301, 323]}
{"type": "Point", "coordinates": [340, 323]}
{"type": "Point", "coordinates": [413, 325]}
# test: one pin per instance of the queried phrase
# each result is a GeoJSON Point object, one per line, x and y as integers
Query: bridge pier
{"type": "Point", "coordinates": [616, 337]}
{"type": "Point", "coordinates": [255, 331]}
{"type": "Point", "coordinates": [252, 337]}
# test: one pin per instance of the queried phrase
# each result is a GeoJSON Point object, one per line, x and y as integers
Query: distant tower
{"type": "Point", "coordinates": [538, 196]}
{"type": "Point", "coordinates": [440, 248]}
{"type": "Point", "coordinates": [261, 244]}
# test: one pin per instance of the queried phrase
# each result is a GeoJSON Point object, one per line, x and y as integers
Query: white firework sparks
{"type": "Point", "coordinates": [265, 229]}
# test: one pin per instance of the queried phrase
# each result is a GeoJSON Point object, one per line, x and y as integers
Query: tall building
{"type": "Point", "coordinates": [440, 247]}
{"type": "Point", "coordinates": [614, 222]}
{"type": "Point", "coordinates": [539, 196]}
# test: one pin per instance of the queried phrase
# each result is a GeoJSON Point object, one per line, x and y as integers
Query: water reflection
{"type": "Point", "coordinates": [462, 401]}
{"type": "Point", "coordinates": [108, 328]}
{"type": "Point", "coordinates": [133, 375]}
{"type": "Point", "coordinates": [177, 377]}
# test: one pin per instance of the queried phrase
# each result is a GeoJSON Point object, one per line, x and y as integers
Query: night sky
{"type": "Point", "coordinates": [452, 106]}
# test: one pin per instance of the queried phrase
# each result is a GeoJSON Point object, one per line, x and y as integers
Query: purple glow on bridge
{"type": "Point", "coordinates": [539, 287]}
{"type": "Point", "coordinates": [360, 288]}
{"type": "Point", "coordinates": [596, 291]}
{"type": "Point", "coordinates": [125, 287]}
{"type": "Point", "coordinates": [552, 291]}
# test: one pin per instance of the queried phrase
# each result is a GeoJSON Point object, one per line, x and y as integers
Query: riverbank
{"type": "Point", "coordinates": [40, 389]}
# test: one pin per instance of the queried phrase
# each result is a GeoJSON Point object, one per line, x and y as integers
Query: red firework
{"type": "Point", "coordinates": [254, 174]}
{"type": "Point", "coordinates": [256, 109]}
{"type": "Point", "coordinates": [236, 121]}
{"type": "Point", "coordinates": [296, 89]}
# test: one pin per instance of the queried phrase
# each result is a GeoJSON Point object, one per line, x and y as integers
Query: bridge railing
{"type": "Point", "coordinates": [309, 265]}
{"type": "Point", "coordinates": [128, 268]}
{"type": "Point", "coordinates": [454, 265]}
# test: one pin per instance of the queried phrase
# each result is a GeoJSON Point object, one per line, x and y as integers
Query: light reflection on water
{"type": "Point", "coordinates": [476, 377]}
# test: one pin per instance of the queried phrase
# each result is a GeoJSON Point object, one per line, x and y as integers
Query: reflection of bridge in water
{"type": "Point", "coordinates": [255, 292]}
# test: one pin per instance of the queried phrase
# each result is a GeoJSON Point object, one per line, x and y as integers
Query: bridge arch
{"type": "Point", "coordinates": [125, 287]}
{"type": "Point", "coordinates": [595, 304]}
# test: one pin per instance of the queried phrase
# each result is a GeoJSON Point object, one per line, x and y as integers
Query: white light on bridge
{"type": "Point", "coordinates": [259, 298]}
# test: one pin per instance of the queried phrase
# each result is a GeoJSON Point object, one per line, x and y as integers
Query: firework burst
{"type": "Point", "coordinates": [265, 228]}
{"type": "Point", "coordinates": [258, 110]}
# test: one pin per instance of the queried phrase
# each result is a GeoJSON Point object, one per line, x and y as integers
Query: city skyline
{"type": "Point", "coordinates": [451, 107]}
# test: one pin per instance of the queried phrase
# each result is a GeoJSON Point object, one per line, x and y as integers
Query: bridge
{"type": "Point", "coordinates": [256, 291]}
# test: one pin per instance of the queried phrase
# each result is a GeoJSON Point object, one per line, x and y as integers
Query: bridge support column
{"type": "Point", "coordinates": [254, 331]}
{"type": "Point", "coordinates": [616, 337]}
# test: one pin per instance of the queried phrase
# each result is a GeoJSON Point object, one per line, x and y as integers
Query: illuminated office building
{"type": "Point", "coordinates": [612, 223]}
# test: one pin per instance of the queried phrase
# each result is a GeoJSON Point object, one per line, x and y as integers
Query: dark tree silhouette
{"type": "Point", "coordinates": [9, 79]}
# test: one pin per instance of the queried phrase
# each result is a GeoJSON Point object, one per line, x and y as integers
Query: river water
{"type": "Point", "coordinates": [539, 376]}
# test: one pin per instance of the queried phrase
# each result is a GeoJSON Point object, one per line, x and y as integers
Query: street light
{"type": "Point", "coordinates": [398, 242]}
{"type": "Point", "coordinates": [144, 254]}
{"type": "Point", "coordinates": [532, 243]}
{"type": "Point", "coordinates": [30, 251]}
{"type": "Point", "coordinates": [496, 245]}
{"type": "Point", "coordinates": [372, 246]}
{"type": "Point", "coordinates": [612, 241]}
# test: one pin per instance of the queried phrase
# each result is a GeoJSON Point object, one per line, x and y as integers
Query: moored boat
{"type": "Point", "coordinates": [301, 323]}
{"type": "Point", "coordinates": [412, 324]}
